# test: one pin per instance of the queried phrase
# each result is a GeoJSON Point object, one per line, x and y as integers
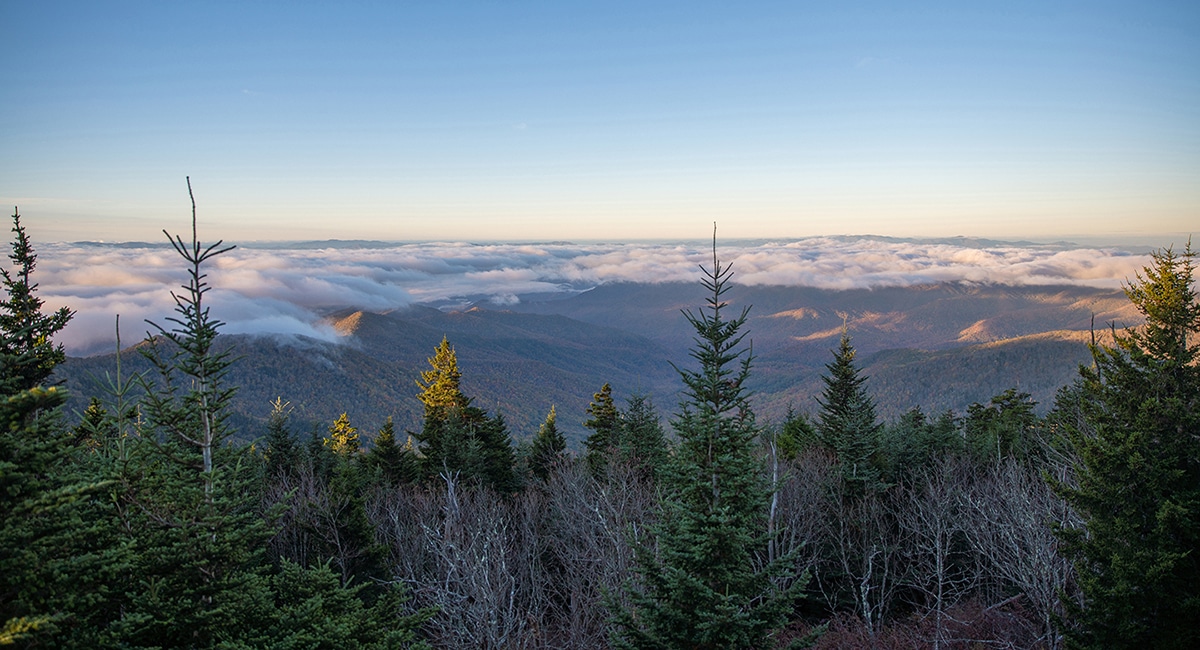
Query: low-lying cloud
{"type": "Point", "coordinates": [279, 290]}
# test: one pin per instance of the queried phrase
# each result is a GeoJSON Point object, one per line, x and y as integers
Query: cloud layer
{"type": "Point", "coordinates": [281, 290]}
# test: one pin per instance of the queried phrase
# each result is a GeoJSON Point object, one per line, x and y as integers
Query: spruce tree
{"type": "Point", "coordinates": [61, 569]}
{"type": "Point", "coordinates": [201, 539]}
{"type": "Point", "coordinates": [1138, 471]}
{"type": "Point", "coordinates": [457, 438]}
{"type": "Point", "coordinates": [280, 451]}
{"type": "Point", "coordinates": [847, 425]}
{"type": "Point", "coordinates": [1005, 428]}
{"type": "Point", "coordinates": [642, 443]}
{"type": "Point", "coordinates": [704, 581]}
{"type": "Point", "coordinates": [27, 352]}
{"type": "Point", "coordinates": [395, 464]}
{"type": "Point", "coordinates": [605, 425]}
{"type": "Point", "coordinates": [441, 396]}
{"type": "Point", "coordinates": [343, 438]}
{"type": "Point", "coordinates": [548, 447]}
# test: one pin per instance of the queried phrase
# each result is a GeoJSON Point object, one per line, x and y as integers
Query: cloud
{"type": "Point", "coordinates": [281, 290]}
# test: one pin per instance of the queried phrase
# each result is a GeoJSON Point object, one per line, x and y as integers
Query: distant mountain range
{"type": "Point", "coordinates": [937, 346]}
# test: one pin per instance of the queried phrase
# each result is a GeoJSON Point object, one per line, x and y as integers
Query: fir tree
{"type": "Point", "coordinates": [548, 447]}
{"type": "Point", "coordinates": [457, 438]}
{"type": "Point", "coordinates": [343, 438]}
{"type": "Point", "coordinates": [797, 435]}
{"type": "Point", "coordinates": [705, 585]}
{"type": "Point", "coordinates": [847, 425]}
{"type": "Point", "coordinates": [605, 425]}
{"type": "Point", "coordinates": [1005, 428]}
{"type": "Point", "coordinates": [396, 464]}
{"type": "Point", "coordinates": [280, 451]}
{"type": "Point", "coordinates": [642, 443]}
{"type": "Point", "coordinates": [27, 353]}
{"type": "Point", "coordinates": [60, 567]}
{"type": "Point", "coordinates": [441, 396]}
{"type": "Point", "coordinates": [1138, 472]}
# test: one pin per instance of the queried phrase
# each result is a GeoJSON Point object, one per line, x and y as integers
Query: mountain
{"type": "Point", "coordinates": [934, 346]}
{"type": "Point", "coordinates": [518, 365]}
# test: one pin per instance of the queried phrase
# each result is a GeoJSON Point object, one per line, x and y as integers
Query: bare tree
{"type": "Point", "coordinates": [932, 514]}
{"type": "Point", "coordinates": [1011, 515]}
{"type": "Point", "coordinates": [476, 559]}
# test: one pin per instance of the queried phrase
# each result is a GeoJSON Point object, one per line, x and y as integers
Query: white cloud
{"type": "Point", "coordinates": [286, 290]}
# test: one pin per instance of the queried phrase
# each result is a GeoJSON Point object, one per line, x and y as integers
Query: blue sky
{"type": "Point", "coordinates": [585, 121]}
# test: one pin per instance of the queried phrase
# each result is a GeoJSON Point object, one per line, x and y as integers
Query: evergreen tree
{"type": "Point", "coordinates": [27, 353]}
{"type": "Point", "coordinates": [548, 447]}
{"type": "Point", "coordinates": [441, 396]}
{"type": "Point", "coordinates": [1138, 471]}
{"type": "Point", "coordinates": [914, 441]}
{"type": "Point", "coordinates": [605, 425]}
{"type": "Point", "coordinates": [280, 451]}
{"type": "Point", "coordinates": [1005, 428]}
{"type": "Point", "coordinates": [797, 435]}
{"type": "Point", "coordinates": [343, 438]}
{"type": "Point", "coordinates": [440, 385]}
{"type": "Point", "coordinates": [457, 438]}
{"type": "Point", "coordinates": [847, 425]}
{"type": "Point", "coordinates": [201, 540]}
{"type": "Point", "coordinates": [60, 568]}
{"type": "Point", "coordinates": [396, 464]}
{"type": "Point", "coordinates": [704, 584]}
{"type": "Point", "coordinates": [642, 443]}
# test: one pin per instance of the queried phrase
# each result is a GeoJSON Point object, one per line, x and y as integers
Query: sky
{"type": "Point", "coordinates": [614, 121]}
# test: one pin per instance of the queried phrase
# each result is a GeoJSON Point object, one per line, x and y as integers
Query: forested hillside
{"type": "Point", "coordinates": [706, 522]}
{"type": "Point", "coordinates": [939, 347]}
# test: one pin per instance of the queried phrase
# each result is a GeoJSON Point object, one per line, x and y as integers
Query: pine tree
{"type": "Point", "coordinates": [27, 353]}
{"type": "Point", "coordinates": [1138, 471]}
{"type": "Point", "coordinates": [704, 585]}
{"type": "Point", "coordinates": [847, 425]}
{"type": "Point", "coordinates": [548, 447]}
{"type": "Point", "coordinates": [605, 425]}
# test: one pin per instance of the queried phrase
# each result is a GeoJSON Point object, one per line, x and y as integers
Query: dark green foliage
{"type": "Point", "coordinates": [1137, 442]}
{"type": "Point", "coordinates": [469, 443]}
{"type": "Point", "coordinates": [311, 609]}
{"type": "Point", "coordinates": [280, 452]}
{"type": "Point", "coordinates": [457, 438]}
{"type": "Point", "coordinates": [605, 425]}
{"type": "Point", "coordinates": [60, 565]}
{"type": "Point", "coordinates": [797, 435]}
{"type": "Point", "coordinates": [548, 447]}
{"type": "Point", "coordinates": [642, 444]}
{"type": "Point", "coordinates": [915, 441]}
{"type": "Point", "coordinates": [847, 425]}
{"type": "Point", "coordinates": [395, 464]}
{"type": "Point", "coordinates": [27, 353]}
{"type": "Point", "coordinates": [705, 584]}
{"type": "Point", "coordinates": [57, 556]}
{"type": "Point", "coordinates": [1005, 428]}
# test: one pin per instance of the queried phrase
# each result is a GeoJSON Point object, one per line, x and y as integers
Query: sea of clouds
{"type": "Point", "coordinates": [282, 289]}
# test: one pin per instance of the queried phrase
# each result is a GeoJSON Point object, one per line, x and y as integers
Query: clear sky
{"type": "Point", "coordinates": [602, 120]}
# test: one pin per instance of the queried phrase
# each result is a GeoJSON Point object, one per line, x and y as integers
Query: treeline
{"type": "Point", "coordinates": [138, 524]}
